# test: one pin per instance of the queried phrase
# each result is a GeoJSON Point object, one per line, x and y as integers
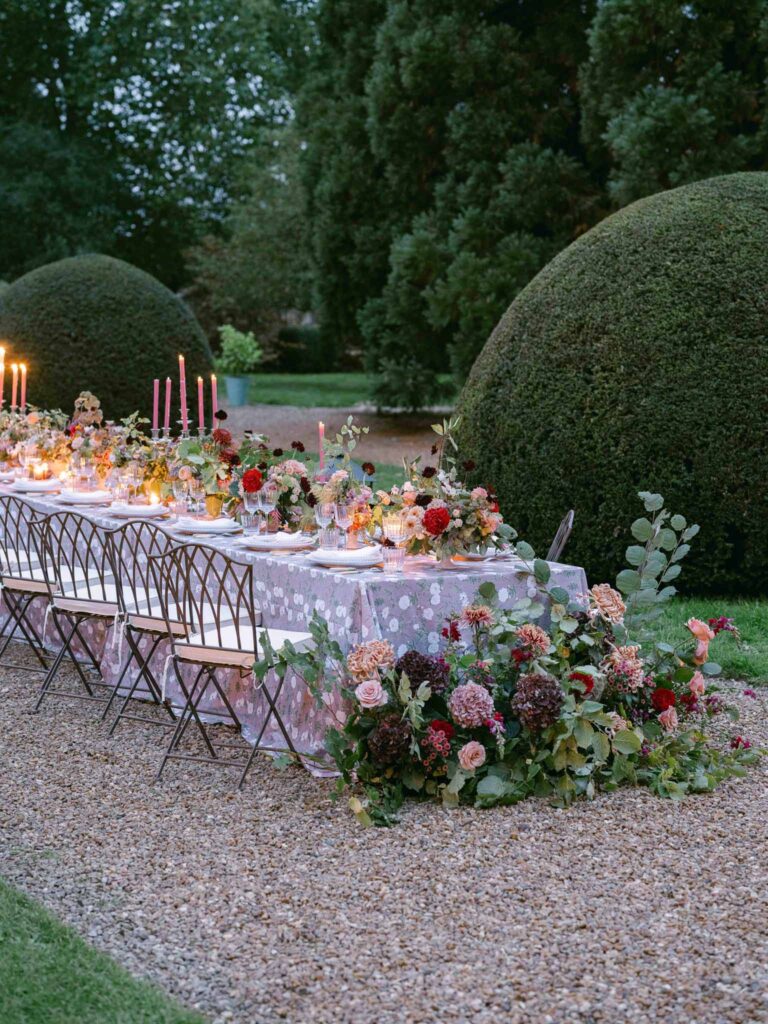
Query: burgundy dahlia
{"type": "Point", "coordinates": [537, 701]}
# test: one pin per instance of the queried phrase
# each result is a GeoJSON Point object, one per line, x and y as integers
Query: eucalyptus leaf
{"type": "Point", "coordinates": [711, 668]}
{"type": "Point", "coordinates": [678, 523]}
{"type": "Point", "coordinates": [681, 552]}
{"type": "Point", "coordinates": [635, 554]}
{"type": "Point", "coordinates": [525, 551]}
{"type": "Point", "coordinates": [541, 570]}
{"type": "Point", "coordinates": [642, 529]}
{"type": "Point", "coordinates": [628, 581]}
{"type": "Point", "coordinates": [672, 573]}
{"type": "Point", "coordinates": [652, 502]}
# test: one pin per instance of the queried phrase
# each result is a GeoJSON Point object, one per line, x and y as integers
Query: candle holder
{"type": "Point", "coordinates": [155, 432]}
{"type": "Point", "coordinates": [201, 432]}
{"type": "Point", "coordinates": [166, 434]}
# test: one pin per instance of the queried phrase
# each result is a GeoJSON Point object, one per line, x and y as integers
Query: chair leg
{"type": "Point", "coordinates": [272, 712]}
{"type": "Point", "coordinates": [144, 672]}
{"type": "Point", "coordinates": [54, 668]}
{"type": "Point", "coordinates": [184, 718]}
{"type": "Point", "coordinates": [17, 609]}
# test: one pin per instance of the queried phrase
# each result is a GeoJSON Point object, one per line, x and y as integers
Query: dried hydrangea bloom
{"type": "Point", "coordinates": [390, 741]}
{"type": "Point", "coordinates": [470, 705]}
{"type": "Point", "coordinates": [533, 638]}
{"type": "Point", "coordinates": [368, 660]}
{"type": "Point", "coordinates": [608, 602]}
{"type": "Point", "coordinates": [537, 700]}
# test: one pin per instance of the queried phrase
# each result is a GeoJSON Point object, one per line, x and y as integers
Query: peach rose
{"type": "Point", "coordinates": [478, 494]}
{"type": "Point", "coordinates": [703, 634]}
{"type": "Point", "coordinates": [472, 755]}
{"type": "Point", "coordinates": [697, 685]}
{"type": "Point", "coordinates": [371, 694]}
{"type": "Point", "coordinates": [668, 720]}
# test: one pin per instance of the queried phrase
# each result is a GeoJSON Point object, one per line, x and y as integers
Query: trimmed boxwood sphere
{"type": "Point", "coordinates": [98, 324]}
{"type": "Point", "coordinates": [637, 360]}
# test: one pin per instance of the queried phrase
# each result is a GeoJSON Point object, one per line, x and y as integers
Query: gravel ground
{"type": "Point", "coordinates": [390, 437]}
{"type": "Point", "coordinates": [272, 904]}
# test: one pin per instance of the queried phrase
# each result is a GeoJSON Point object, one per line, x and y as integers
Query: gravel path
{"type": "Point", "coordinates": [271, 904]}
{"type": "Point", "coordinates": [389, 438]}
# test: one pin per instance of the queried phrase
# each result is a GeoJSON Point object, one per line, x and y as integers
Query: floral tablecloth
{"type": "Point", "coordinates": [408, 610]}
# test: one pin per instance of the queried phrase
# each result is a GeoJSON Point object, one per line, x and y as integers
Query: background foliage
{"type": "Point", "coordinates": [96, 323]}
{"type": "Point", "coordinates": [400, 167]}
{"type": "Point", "coordinates": [638, 357]}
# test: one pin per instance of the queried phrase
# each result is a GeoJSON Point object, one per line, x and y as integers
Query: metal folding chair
{"type": "Point", "coordinates": [130, 548]}
{"type": "Point", "coordinates": [213, 596]}
{"type": "Point", "coordinates": [22, 579]}
{"type": "Point", "coordinates": [561, 537]}
{"type": "Point", "coordinates": [80, 586]}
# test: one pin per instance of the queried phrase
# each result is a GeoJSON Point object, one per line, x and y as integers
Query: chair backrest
{"type": "Point", "coordinates": [76, 558]}
{"type": "Point", "coordinates": [561, 537]}
{"type": "Point", "coordinates": [20, 538]}
{"type": "Point", "coordinates": [209, 592]}
{"type": "Point", "coordinates": [131, 548]}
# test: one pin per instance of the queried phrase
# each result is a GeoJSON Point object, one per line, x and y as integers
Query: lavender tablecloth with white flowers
{"type": "Point", "coordinates": [408, 610]}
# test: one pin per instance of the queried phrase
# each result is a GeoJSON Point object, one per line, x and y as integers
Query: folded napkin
{"type": "Point", "coordinates": [346, 556]}
{"type": "Point", "coordinates": [220, 525]}
{"type": "Point", "coordinates": [124, 511]}
{"type": "Point", "coordinates": [36, 485]}
{"type": "Point", "coordinates": [276, 541]}
{"type": "Point", "coordinates": [84, 497]}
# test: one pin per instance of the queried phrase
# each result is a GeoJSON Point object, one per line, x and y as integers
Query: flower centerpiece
{"type": "Point", "coordinates": [341, 483]}
{"type": "Point", "coordinates": [513, 708]}
{"type": "Point", "coordinates": [286, 472]}
{"type": "Point", "coordinates": [211, 459]}
{"type": "Point", "coordinates": [439, 513]}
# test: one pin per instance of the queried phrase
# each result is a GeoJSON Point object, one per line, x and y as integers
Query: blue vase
{"type": "Point", "coordinates": [237, 390]}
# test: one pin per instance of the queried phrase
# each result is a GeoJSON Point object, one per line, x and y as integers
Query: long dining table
{"type": "Point", "coordinates": [408, 610]}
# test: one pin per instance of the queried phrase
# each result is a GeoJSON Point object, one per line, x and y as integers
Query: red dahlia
{"type": "Point", "coordinates": [662, 698]}
{"type": "Point", "coordinates": [252, 480]}
{"type": "Point", "coordinates": [222, 437]}
{"type": "Point", "coordinates": [441, 726]}
{"type": "Point", "coordinates": [436, 520]}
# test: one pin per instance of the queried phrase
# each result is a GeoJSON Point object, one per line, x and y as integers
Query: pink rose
{"type": "Point", "coordinates": [185, 473]}
{"type": "Point", "coordinates": [371, 694]}
{"type": "Point", "coordinates": [478, 494]}
{"type": "Point", "coordinates": [668, 720]}
{"type": "Point", "coordinates": [697, 685]}
{"type": "Point", "coordinates": [472, 755]}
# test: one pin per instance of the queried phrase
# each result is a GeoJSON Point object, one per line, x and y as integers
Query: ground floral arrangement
{"type": "Point", "coordinates": [514, 709]}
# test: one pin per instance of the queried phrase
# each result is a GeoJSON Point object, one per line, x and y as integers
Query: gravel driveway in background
{"type": "Point", "coordinates": [273, 905]}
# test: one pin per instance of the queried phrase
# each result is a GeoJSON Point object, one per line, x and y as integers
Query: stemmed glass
{"type": "Point", "coordinates": [324, 515]}
{"type": "Point", "coordinates": [197, 496]}
{"type": "Point", "coordinates": [267, 496]}
{"type": "Point", "coordinates": [179, 488]}
{"type": "Point", "coordinates": [342, 513]}
{"type": "Point", "coordinates": [252, 505]}
{"type": "Point", "coordinates": [394, 530]}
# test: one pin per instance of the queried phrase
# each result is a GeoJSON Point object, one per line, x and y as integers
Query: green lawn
{"type": "Point", "coordinates": [747, 659]}
{"type": "Point", "coordinates": [48, 975]}
{"type": "Point", "coordinates": [335, 390]}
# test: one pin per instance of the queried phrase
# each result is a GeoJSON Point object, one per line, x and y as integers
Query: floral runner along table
{"type": "Point", "coordinates": [407, 609]}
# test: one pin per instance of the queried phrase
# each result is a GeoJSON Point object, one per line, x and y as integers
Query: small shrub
{"type": "Point", "coordinates": [240, 353]}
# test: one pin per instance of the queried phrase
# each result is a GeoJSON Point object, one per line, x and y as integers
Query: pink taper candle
{"type": "Point", "coordinates": [23, 402]}
{"type": "Point", "coordinates": [167, 415]}
{"type": "Point", "coordinates": [155, 403]}
{"type": "Point", "coordinates": [15, 372]}
{"type": "Point", "coordinates": [214, 399]}
{"type": "Point", "coordinates": [200, 404]}
{"type": "Point", "coordinates": [183, 394]}
{"type": "Point", "coordinates": [2, 375]}
{"type": "Point", "coordinates": [321, 434]}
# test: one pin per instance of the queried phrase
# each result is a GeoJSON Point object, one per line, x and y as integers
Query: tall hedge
{"type": "Point", "coordinates": [637, 360]}
{"type": "Point", "coordinates": [97, 323]}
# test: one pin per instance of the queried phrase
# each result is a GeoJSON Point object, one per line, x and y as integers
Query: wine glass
{"type": "Point", "coordinates": [179, 488]}
{"type": "Point", "coordinates": [324, 514]}
{"type": "Point", "coordinates": [268, 496]}
{"type": "Point", "coordinates": [197, 495]}
{"type": "Point", "coordinates": [342, 513]}
{"type": "Point", "coordinates": [252, 519]}
{"type": "Point", "coordinates": [393, 553]}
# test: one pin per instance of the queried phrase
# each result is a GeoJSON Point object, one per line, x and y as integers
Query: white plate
{"type": "Point", "coordinates": [277, 541]}
{"type": "Point", "coordinates": [7, 477]}
{"type": "Point", "coordinates": [36, 486]}
{"type": "Point", "coordinates": [210, 527]}
{"type": "Point", "coordinates": [357, 558]}
{"type": "Point", "coordinates": [123, 511]}
{"type": "Point", "coordinates": [84, 498]}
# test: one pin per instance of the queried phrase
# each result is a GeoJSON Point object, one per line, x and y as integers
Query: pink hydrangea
{"type": "Point", "coordinates": [470, 705]}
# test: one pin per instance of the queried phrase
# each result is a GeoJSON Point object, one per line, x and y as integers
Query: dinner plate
{"type": "Point", "coordinates": [7, 476]}
{"type": "Point", "coordinates": [84, 498]}
{"type": "Point", "coordinates": [345, 558]}
{"type": "Point", "coordinates": [36, 486]}
{"type": "Point", "coordinates": [123, 511]}
{"type": "Point", "coordinates": [280, 541]}
{"type": "Point", "coordinates": [220, 527]}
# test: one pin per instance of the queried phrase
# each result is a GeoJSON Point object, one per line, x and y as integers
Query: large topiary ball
{"type": "Point", "coordinates": [96, 323]}
{"type": "Point", "coordinates": [637, 360]}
